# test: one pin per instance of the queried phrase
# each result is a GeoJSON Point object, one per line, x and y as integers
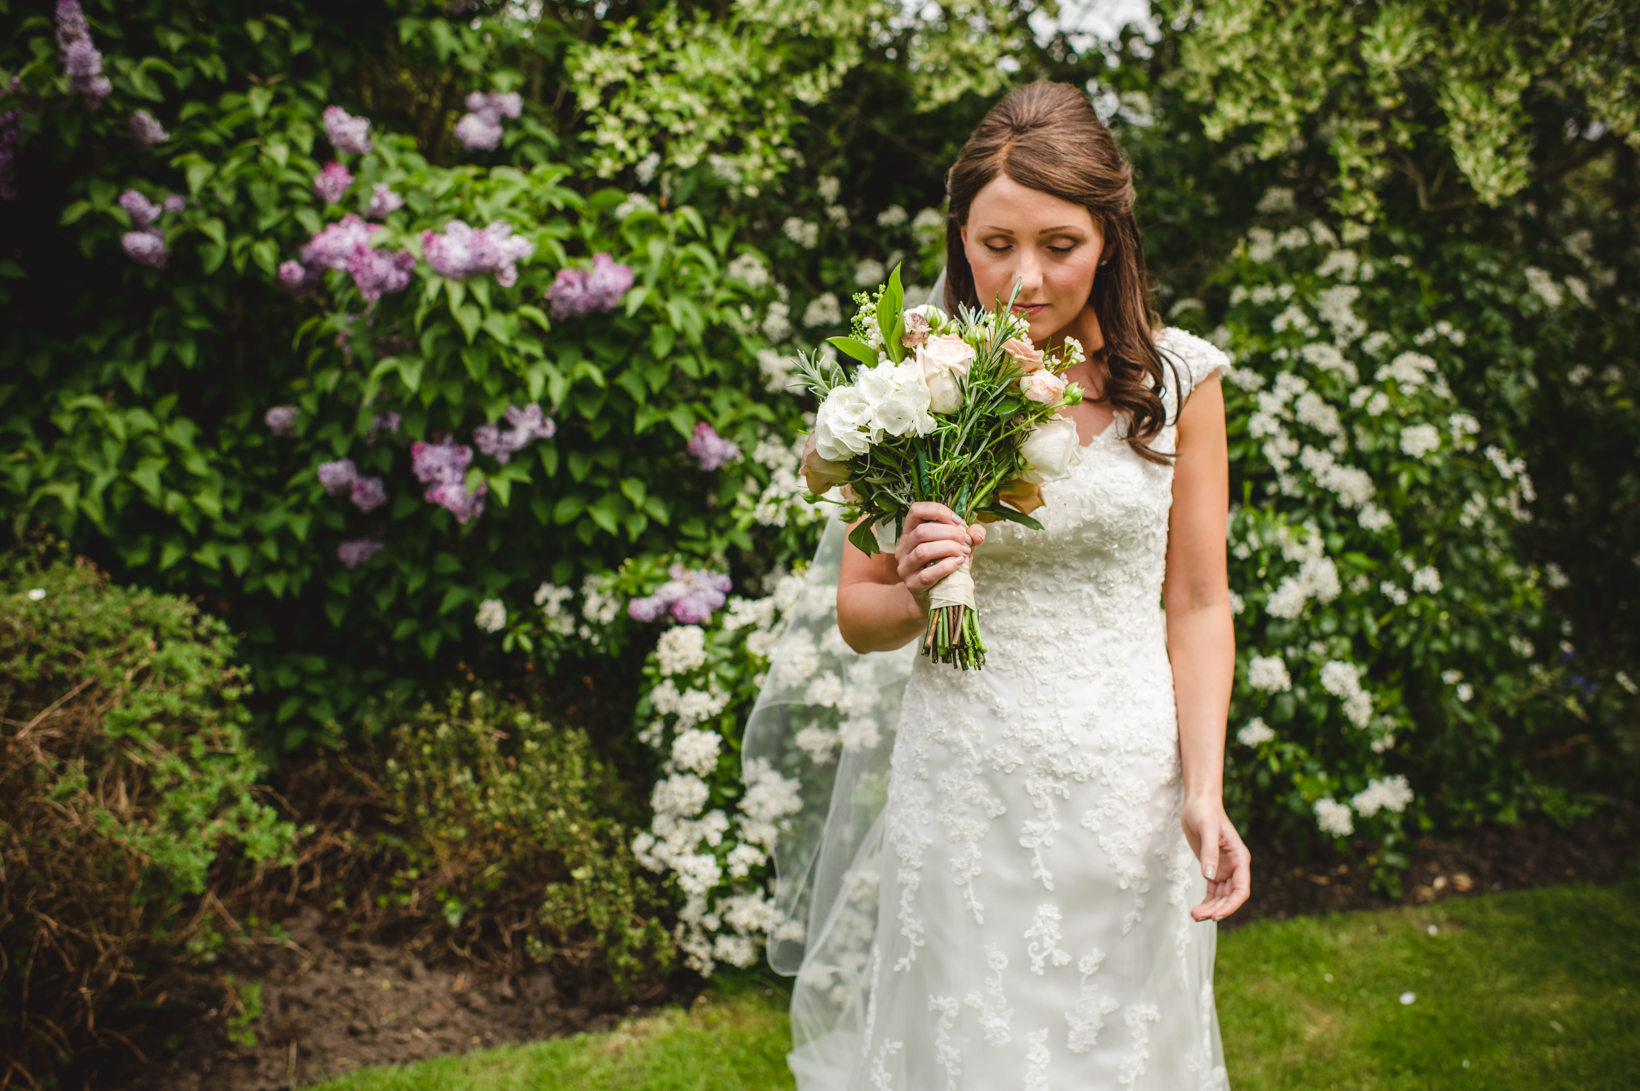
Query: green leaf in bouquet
{"type": "Point", "coordinates": [864, 539]}
{"type": "Point", "coordinates": [891, 316]}
{"type": "Point", "coordinates": [857, 349]}
{"type": "Point", "coordinates": [1003, 511]}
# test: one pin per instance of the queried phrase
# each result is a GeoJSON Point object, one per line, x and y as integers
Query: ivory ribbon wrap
{"type": "Point", "coordinates": [957, 589]}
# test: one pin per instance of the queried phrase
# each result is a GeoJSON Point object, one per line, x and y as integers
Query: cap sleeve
{"type": "Point", "coordinates": [1195, 360]}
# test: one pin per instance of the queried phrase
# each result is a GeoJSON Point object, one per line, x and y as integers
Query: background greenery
{"type": "Point", "coordinates": [752, 165]}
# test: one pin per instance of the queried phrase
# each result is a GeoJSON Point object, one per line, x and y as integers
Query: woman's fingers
{"type": "Point", "coordinates": [925, 578]}
{"type": "Point", "coordinates": [924, 511]}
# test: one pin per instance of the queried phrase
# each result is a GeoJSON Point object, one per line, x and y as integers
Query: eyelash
{"type": "Point", "coordinates": [1054, 249]}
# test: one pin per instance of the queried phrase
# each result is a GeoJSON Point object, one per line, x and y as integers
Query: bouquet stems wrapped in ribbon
{"type": "Point", "coordinates": [961, 411]}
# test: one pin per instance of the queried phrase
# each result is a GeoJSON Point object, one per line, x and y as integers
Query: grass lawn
{"type": "Point", "coordinates": [1534, 990]}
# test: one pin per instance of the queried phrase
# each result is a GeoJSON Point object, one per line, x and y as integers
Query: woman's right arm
{"type": "Point", "coordinates": [882, 600]}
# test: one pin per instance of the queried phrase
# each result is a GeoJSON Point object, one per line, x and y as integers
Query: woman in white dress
{"type": "Point", "coordinates": [1055, 851]}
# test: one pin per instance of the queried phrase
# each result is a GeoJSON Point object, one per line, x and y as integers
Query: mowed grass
{"type": "Point", "coordinates": [1534, 990]}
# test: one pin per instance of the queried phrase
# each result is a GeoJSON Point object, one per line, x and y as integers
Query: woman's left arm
{"type": "Point", "coordinates": [1201, 642]}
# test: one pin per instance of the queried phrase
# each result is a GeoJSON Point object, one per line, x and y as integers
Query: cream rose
{"type": "Point", "coordinates": [1050, 450]}
{"type": "Point", "coordinates": [843, 426]}
{"type": "Point", "coordinates": [1025, 354]}
{"type": "Point", "coordinates": [945, 360]}
{"type": "Point", "coordinates": [1042, 386]}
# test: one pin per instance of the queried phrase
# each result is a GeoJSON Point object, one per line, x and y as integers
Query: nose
{"type": "Point", "coordinates": [1029, 274]}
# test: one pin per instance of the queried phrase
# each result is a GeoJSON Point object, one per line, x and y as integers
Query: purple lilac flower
{"type": "Point", "coordinates": [145, 247]}
{"type": "Point", "coordinates": [443, 467]}
{"type": "Point", "coordinates": [332, 183]}
{"type": "Point", "coordinates": [296, 277]}
{"type": "Point", "coordinates": [576, 292]}
{"type": "Point", "coordinates": [146, 129]}
{"type": "Point", "coordinates": [143, 212]}
{"type": "Point", "coordinates": [480, 127]}
{"type": "Point", "coordinates": [387, 421]}
{"type": "Point", "coordinates": [528, 422]}
{"type": "Point", "coordinates": [711, 449]}
{"type": "Point", "coordinates": [281, 420]}
{"type": "Point", "coordinates": [691, 595]}
{"type": "Point", "coordinates": [382, 201]}
{"type": "Point", "coordinates": [368, 493]}
{"type": "Point", "coordinates": [345, 132]}
{"type": "Point", "coordinates": [378, 273]}
{"type": "Point", "coordinates": [81, 60]}
{"type": "Point", "coordinates": [175, 203]}
{"type": "Point", "coordinates": [331, 247]}
{"type": "Point", "coordinates": [359, 550]}
{"type": "Point", "coordinates": [11, 134]}
{"type": "Point", "coordinates": [462, 252]}
{"type": "Point", "coordinates": [338, 477]}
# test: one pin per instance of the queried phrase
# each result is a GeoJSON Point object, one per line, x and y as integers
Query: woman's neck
{"type": "Point", "coordinates": [1085, 328]}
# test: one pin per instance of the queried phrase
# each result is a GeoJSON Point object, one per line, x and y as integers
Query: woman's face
{"type": "Point", "coordinates": [1050, 246]}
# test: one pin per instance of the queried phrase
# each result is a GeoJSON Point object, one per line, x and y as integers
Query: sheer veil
{"type": "Point", "coordinates": [827, 717]}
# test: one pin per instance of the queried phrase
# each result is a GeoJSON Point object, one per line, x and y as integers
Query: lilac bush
{"type": "Point", "coordinates": [690, 596]}
{"type": "Point", "coordinates": [81, 60]}
{"type": "Point", "coordinates": [331, 184]}
{"type": "Point", "coordinates": [382, 201]}
{"type": "Point", "coordinates": [368, 493]}
{"type": "Point", "coordinates": [146, 129]}
{"type": "Point", "coordinates": [145, 247]}
{"type": "Point", "coordinates": [463, 252]}
{"type": "Point", "coordinates": [528, 423]}
{"type": "Point", "coordinates": [379, 273]}
{"type": "Point", "coordinates": [281, 420]}
{"type": "Point", "coordinates": [142, 211]}
{"type": "Point", "coordinates": [442, 467]}
{"type": "Point", "coordinates": [480, 128]}
{"type": "Point", "coordinates": [710, 449]}
{"type": "Point", "coordinates": [338, 477]}
{"type": "Point", "coordinates": [345, 132]}
{"type": "Point", "coordinates": [345, 245]}
{"type": "Point", "coordinates": [356, 551]}
{"type": "Point", "coordinates": [576, 292]}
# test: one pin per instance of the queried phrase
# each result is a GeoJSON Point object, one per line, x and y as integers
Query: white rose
{"type": "Point", "coordinates": [1050, 450]}
{"type": "Point", "coordinates": [944, 360]}
{"type": "Point", "coordinates": [1042, 386]}
{"type": "Point", "coordinates": [843, 426]}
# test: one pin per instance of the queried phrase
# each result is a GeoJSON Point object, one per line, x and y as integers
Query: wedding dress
{"type": "Point", "coordinates": [996, 892]}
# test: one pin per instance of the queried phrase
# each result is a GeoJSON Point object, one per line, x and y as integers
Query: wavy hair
{"type": "Point", "coordinates": [1047, 136]}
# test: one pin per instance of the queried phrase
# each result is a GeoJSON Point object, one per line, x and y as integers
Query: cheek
{"type": "Point", "coordinates": [1072, 280]}
{"type": "Point", "coordinates": [990, 271]}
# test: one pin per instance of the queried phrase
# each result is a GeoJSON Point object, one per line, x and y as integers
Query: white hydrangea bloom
{"type": "Point", "coordinates": [682, 794]}
{"type": "Point", "coordinates": [1375, 518]}
{"type": "Point", "coordinates": [1334, 817]}
{"type": "Point", "coordinates": [1389, 794]}
{"type": "Point", "coordinates": [743, 858]}
{"type": "Point", "coordinates": [768, 800]}
{"type": "Point", "coordinates": [598, 604]}
{"type": "Point", "coordinates": [818, 743]}
{"type": "Point", "coordinates": [869, 273]}
{"type": "Point", "coordinates": [1417, 440]}
{"type": "Point", "coordinates": [1255, 732]}
{"type": "Point", "coordinates": [823, 310]}
{"type": "Point", "coordinates": [697, 751]}
{"type": "Point", "coordinates": [777, 323]}
{"type": "Point", "coordinates": [1544, 285]}
{"type": "Point", "coordinates": [1268, 672]}
{"type": "Point", "coordinates": [892, 216]}
{"type": "Point", "coordinates": [1427, 579]}
{"type": "Point", "coordinates": [805, 233]}
{"type": "Point", "coordinates": [681, 649]}
{"type": "Point", "coordinates": [555, 614]}
{"type": "Point", "coordinates": [491, 616]}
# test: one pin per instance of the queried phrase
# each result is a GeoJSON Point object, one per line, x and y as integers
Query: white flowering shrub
{"type": "Point", "coordinates": [1393, 663]}
{"type": "Point", "coordinates": [713, 831]}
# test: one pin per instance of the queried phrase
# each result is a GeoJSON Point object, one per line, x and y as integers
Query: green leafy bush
{"type": "Point", "coordinates": [125, 779]}
{"type": "Point", "coordinates": [509, 836]}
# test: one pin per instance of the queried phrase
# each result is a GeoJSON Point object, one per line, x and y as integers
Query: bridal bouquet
{"type": "Point", "coordinates": [961, 411]}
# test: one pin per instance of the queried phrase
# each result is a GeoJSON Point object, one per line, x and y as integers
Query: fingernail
{"type": "Point", "coordinates": [1210, 871]}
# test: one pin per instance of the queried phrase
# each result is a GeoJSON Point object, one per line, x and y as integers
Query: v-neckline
{"type": "Point", "coordinates": [1099, 435]}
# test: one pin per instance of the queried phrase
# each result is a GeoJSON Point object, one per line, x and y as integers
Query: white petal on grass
{"type": "Point", "coordinates": [1408, 997]}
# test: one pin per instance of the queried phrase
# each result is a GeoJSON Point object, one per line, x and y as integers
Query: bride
{"type": "Point", "coordinates": [1033, 901]}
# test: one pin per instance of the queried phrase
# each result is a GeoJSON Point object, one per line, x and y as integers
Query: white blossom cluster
{"type": "Point", "coordinates": [781, 502]}
{"type": "Point", "coordinates": [709, 850]}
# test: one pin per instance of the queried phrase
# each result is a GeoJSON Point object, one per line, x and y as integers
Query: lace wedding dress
{"type": "Point", "coordinates": [1007, 903]}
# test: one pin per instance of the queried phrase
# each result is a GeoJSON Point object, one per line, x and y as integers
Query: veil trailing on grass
{"type": "Point", "coordinates": [826, 718]}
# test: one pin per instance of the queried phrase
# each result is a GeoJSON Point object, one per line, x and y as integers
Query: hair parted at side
{"type": "Point", "coordinates": [1048, 137]}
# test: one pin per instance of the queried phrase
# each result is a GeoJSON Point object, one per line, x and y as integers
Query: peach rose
{"type": "Point", "coordinates": [1025, 354]}
{"type": "Point", "coordinates": [1024, 496]}
{"type": "Point", "coordinates": [821, 473]}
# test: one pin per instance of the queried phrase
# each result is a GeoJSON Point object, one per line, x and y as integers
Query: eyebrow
{"type": "Point", "coordinates": [1045, 231]}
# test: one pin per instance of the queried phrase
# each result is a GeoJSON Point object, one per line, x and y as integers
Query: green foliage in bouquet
{"type": "Point", "coordinates": [956, 425]}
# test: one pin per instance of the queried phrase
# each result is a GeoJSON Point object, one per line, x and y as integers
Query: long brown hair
{"type": "Point", "coordinates": [1047, 136]}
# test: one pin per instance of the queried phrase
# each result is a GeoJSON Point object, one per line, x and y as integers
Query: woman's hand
{"type": "Point", "coordinates": [1226, 863]}
{"type": "Point", "coordinates": [933, 544]}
